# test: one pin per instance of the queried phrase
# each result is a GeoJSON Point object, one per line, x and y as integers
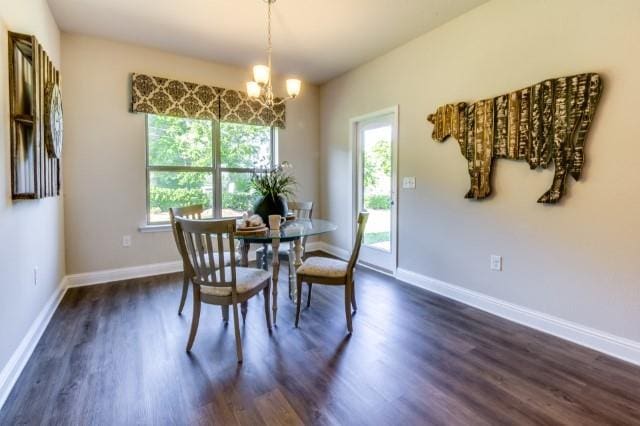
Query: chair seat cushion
{"type": "Point", "coordinates": [323, 267]}
{"type": "Point", "coordinates": [247, 279]}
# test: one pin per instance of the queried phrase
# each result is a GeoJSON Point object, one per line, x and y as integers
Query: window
{"type": "Point", "coordinates": [204, 162]}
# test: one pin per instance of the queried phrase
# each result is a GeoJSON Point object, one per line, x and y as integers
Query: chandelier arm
{"type": "Point", "coordinates": [274, 103]}
{"type": "Point", "coordinates": [279, 101]}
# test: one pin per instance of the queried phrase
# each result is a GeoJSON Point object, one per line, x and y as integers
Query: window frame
{"type": "Point", "coordinates": [216, 170]}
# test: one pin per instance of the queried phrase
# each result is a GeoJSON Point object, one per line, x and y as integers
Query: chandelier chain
{"type": "Point", "coordinates": [269, 37]}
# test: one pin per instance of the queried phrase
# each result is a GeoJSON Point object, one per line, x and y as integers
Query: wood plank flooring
{"type": "Point", "coordinates": [115, 355]}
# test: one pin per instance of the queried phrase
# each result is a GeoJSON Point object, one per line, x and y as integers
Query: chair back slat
{"type": "Point", "coordinates": [210, 252]}
{"type": "Point", "coordinates": [221, 259]}
{"type": "Point", "coordinates": [355, 253]}
{"type": "Point", "coordinates": [232, 251]}
{"type": "Point", "coordinates": [189, 212]}
{"type": "Point", "coordinates": [302, 209]}
{"type": "Point", "coordinates": [201, 252]}
{"type": "Point", "coordinates": [199, 239]}
{"type": "Point", "coordinates": [190, 251]}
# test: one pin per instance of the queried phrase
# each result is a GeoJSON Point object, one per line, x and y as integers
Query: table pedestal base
{"type": "Point", "coordinates": [275, 266]}
{"type": "Point", "coordinates": [295, 252]}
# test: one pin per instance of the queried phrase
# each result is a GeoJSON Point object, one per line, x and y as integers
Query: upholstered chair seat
{"type": "Point", "coordinates": [323, 267]}
{"type": "Point", "coordinates": [247, 279]}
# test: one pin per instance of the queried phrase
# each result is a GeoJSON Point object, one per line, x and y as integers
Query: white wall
{"type": "Point", "coordinates": [577, 260]}
{"type": "Point", "coordinates": [105, 148]}
{"type": "Point", "coordinates": [31, 232]}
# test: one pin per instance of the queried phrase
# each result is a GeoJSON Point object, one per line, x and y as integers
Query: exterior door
{"type": "Point", "coordinates": [376, 152]}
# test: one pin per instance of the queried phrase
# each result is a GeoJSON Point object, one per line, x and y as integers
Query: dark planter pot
{"type": "Point", "coordinates": [267, 205]}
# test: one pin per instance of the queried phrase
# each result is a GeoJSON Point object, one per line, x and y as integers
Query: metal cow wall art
{"type": "Point", "coordinates": [538, 124]}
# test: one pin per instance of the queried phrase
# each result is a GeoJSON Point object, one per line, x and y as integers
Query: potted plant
{"type": "Point", "coordinates": [274, 187]}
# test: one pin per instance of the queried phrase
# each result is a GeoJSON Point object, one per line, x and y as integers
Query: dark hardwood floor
{"type": "Point", "coordinates": [115, 355]}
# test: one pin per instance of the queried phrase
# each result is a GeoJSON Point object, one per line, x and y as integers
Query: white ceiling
{"type": "Point", "coordinates": [313, 39]}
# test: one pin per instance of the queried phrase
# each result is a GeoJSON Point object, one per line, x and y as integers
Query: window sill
{"type": "Point", "coordinates": [166, 227]}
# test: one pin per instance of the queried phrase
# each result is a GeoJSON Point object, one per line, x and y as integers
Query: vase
{"type": "Point", "coordinates": [267, 205]}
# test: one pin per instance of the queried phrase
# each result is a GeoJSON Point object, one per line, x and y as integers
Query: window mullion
{"type": "Point", "coordinates": [217, 175]}
{"type": "Point", "coordinates": [148, 171]}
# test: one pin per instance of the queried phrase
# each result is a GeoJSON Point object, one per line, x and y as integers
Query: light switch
{"type": "Point", "coordinates": [409, 182]}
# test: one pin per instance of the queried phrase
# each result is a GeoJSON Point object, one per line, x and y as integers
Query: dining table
{"type": "Point", "coordinates": [291, 231]}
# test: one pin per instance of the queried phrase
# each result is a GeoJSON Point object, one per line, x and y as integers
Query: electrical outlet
{"type": "Point", "coordinates": [496, 262]}
{"type": "Point", "coordinates": [35, 276]}
{"type": "Point", "coordinates": [409, 182]}
{"type": "Point", "coordinates": [126, 241]}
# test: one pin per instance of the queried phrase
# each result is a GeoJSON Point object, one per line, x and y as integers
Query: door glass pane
{"type": "Point", "coordinates": [237, 194]}
{"type": "Point", "coordinates": [175, 141]}
{"type": "Point", "coordinates": [376, 191]}
{"type": "Point", "coordinates": [245, 146]}
{"type": "Point", "coordinates": [178, 189]}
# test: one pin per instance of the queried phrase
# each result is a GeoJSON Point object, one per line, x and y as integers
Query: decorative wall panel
{"type": "Point", "coordinates": [34, 124]}
{"type": "Point", "coordinates": [544, 123]}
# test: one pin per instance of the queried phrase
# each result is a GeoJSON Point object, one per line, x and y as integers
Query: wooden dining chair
{"type": "Point", "coordinates": [302, 210]}
{"type": "Point", "coordinates": [325, 270]}
{"type": "Point", "coordinates": [193, 212]}
{"type": "Point", "coordinates": [189, 212]}
{"type": "Point", "coordinates": [201, 241]}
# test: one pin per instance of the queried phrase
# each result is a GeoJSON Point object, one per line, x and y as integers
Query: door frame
{"type": "Point", "coordinates": [355, 174]}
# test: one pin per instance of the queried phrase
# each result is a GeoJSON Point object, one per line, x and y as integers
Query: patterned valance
{"type": "Point", "coordinates": [157, 95]}
{"type": "Point", "coordinates": [237, 107]}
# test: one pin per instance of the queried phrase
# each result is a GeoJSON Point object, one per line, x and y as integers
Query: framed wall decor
{"type": "Point", "coordinates": [35, 109]}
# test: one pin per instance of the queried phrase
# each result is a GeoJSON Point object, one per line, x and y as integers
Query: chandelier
{"type": "Point", "coordinates": [260, 88]}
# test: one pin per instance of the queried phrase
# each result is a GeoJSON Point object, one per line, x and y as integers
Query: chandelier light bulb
{"type": "Point", "coordinates": [293, 87]}
{"type": "Point", "coordinates": [253, 89]}
{"type": "Point", "coordinates": [261, 74]}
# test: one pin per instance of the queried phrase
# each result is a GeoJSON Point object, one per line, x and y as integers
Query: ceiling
{"type": "Point", "coordinates": [312, 39]}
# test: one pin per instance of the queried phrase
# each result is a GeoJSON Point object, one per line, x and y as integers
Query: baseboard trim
{"type": "Point", "coordinates": [615, 346]}
{"type": "Point", "coordinates": [113, 275]}
{"type": "Point", "coordinates": [120, 274]}
{"type": "Point", "coordinates": [12, 370]}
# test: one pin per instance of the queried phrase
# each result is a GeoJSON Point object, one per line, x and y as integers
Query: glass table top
{"type": "Point", "coordinates": [292, 230]}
